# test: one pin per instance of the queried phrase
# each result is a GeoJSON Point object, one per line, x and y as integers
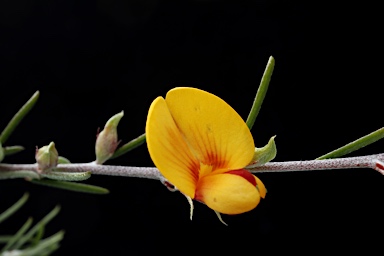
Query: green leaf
{"type": "Point", "coordinates": [63, 160]}
{"type": "Point", "coordinates": [16, 206]}
{"type": "Point", "coordinates": [11, 150]}
{"type": "Point", "coordinates": [72, 186]}
{"type": "Point", "coordinates": [355, 145]}
{"type": "Point", "coordinates": [36, 228]}
{"type": "Point", "coordinates": [24, 110]}
{"type": "Point", "coordinates": [67, 176]}
{"type": "Point", "coordinates": [261, 92]}
{"type": "Point", "coordinates": [129, 146]}
{"type": "Point", "coordinates": [2, 153]}
{"type": "Point", "coordinates": [18, 174]}
{"type": "Point", "coordinates": [265, 154]}
{"type": "Point", "coordinates": [5, 239]}
{"type": "Point", "coordinates": [39, 235]}
{"type": "Point", "coordinates": [46, 246]}
{"type": "Point", "coordinates": [18, 235]}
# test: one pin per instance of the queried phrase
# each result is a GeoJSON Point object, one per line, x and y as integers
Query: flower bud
{"type": "Point", "coordinates": [47, 157]}
{"type": "Point", "coordinates": [106, 142]}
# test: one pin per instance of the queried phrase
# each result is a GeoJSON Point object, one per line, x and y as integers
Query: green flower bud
{"type": "Point", "coordinates": [47, 157]}
{"type": "Point", "coordinates": [106, 142]}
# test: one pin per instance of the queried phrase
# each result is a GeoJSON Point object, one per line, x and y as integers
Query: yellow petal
{"type": "Point", "coordinates": [260, 186]}
{"type": "Point", "coordinates": [168, 149]}
{"type": "Point", "coordinates": [217, 135]}
{"type": "Point", "coordinates": [227, 193]}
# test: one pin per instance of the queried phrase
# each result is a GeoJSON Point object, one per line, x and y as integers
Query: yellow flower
{"type": "Point", "coordinates": [201, 145]}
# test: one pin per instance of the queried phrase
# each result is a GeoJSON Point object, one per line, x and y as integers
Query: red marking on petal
{"type": "Point", "coordinates": [379, 166]}
{"type": "Point", "coordinates": [245, 174]}
{"type": "Point", "coordinates": [169, 185]}
{"type": "Point", "coordinates": [215, 161]}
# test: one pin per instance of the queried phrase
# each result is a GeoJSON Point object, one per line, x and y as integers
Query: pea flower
{"type": "Point", "coordinates": [201, 145]}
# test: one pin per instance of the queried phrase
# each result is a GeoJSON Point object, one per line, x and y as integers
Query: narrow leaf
{"type": "Point", "coordinates": [46, 246]}
{"type": "Point", "coordinates": [11, 150]}
{"type": "Point", "coordinates": [129, 146]}
{"type": "Point", "coordinates": [5, 239]}
{"type": "Point", "coordinates": [261, 92]}
{"type": "Point", "coordinates": [67, 176]}
{"type": "Point", "coordinates": [63, 160]}
{"type": "Point", "coordinates": [24, 110]}
{"type": "Point", "coordinates": [39, 235]}
{"type": "Point", "coordinates": [36, 228]}
{"type": "Point", "coordinates": [355, 145]}
{"type": "Point", "coordinates": [72, 186]}
{"type": "Point", "coordinates": [18, 235]}
{"type": "Point", "coordinates": [2, 152]}
{"type": "Point", "coordinates": [11, 210]}
{"type": "Point", "coordinates": [18, 174]}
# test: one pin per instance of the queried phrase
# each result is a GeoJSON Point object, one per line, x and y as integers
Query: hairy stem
{"type": "Point", "coordinates": [371, 161]}
{"type": "Point", "coordinates": [111, 170]}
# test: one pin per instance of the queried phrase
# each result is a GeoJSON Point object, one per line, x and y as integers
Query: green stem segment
{"type": "Point", "coordinates": [261, 92]}
{"type": "Point", "coordinates": [18, 117]}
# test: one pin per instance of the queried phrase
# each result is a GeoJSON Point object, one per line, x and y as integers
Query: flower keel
{"type": "Point", "coordinates": [227, 193]}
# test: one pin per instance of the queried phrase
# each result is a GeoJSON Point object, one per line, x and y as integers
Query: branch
{"type": "Point", "coordinates": [370, 161]}
{"type": "Point", "coordinates": [111, 170]}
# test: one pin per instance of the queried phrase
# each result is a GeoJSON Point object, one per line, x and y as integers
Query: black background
{"type": "Point", "coordinates": [92, 59]}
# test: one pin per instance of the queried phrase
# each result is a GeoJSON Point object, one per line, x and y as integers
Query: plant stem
{"type": "Point", "coordinates": [370, 161]}
{"type": "Point", "coordinates": [113, 170]}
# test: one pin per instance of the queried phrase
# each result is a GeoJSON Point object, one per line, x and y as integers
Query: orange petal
{"type": "Point", "coordinates": [227, 193]}
{"type": "Point", "coordinates": [217, 135]}
{"type": "Point", "coordinates": [260, 186]}
{"type": "Point", "coordinates": [168, 149]}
